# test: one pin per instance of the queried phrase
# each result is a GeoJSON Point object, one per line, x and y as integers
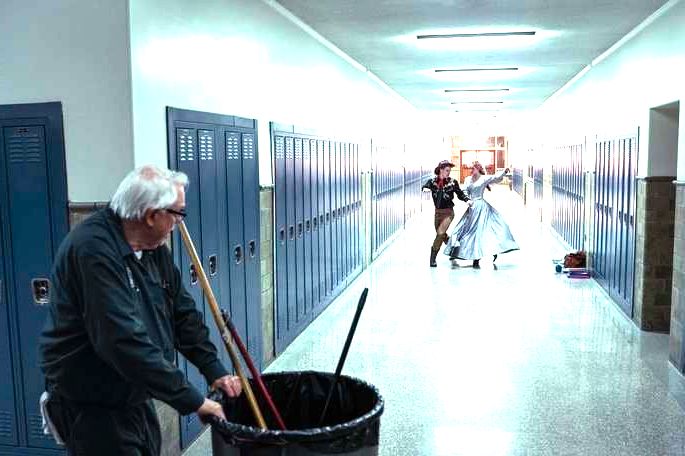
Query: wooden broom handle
{"type": "Point", "coordinates": [223, 330]}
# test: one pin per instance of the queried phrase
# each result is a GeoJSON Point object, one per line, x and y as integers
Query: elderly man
{"type": "Point", "coordinates": [118, 309]}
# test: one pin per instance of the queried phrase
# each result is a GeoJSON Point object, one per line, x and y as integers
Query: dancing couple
{"type": "Point", "coordinates": [481, 231]}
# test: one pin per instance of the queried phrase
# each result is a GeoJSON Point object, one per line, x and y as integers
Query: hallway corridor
{"type": "Point", "coordinates": [514, 361]}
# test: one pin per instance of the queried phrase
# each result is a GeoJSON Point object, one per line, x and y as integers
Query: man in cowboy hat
{"type": "Point", "coordinates": [443, 188]}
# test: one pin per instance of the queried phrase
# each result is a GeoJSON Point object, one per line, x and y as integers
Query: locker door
{"type": "Point", "coordinates": [236, 232]}
{"type": "Point", "coordinates": [334, 232]}
{"type": "Point", "coordinates": [299, 217]}
{"type": "Point", "coordinates": [291, 249]}
{"type": "Point", "coordinates": [328, 208]}
{"type": "Point", "coordinates": [348, 209]}
{"type": "Point", "coordinates": [358, 208]}
{"type": "Point", "coordinates": [307, 221]}
{"type": "Point", "coordinates": [31, 244]}
{"type": "Point", "coordinates": [280, 240]}
{"type": "Point", "coordinates": [210, 227]}
{"type": "Point", "coordinates": [322, 220]}
{"type": "Point", "coordinates": [314, 198]}
{"type": "Point", "coordinates": [341, 216]}
{"type": "Point", "coordinates": [253, 279]}
{"type": "Point", "coordinates": [336, 211]}
{"type": "Point", "coordinates": [186, 159]}
{"type": "Point", "coordinates": [8, 423]}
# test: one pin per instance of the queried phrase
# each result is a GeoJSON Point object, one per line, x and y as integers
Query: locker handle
{"type": "Point", "coordinates": [307, 226]}
{"type": "Point", "coordinates": [315, 223]}
{"type": "Point", "coordinates": [281, 235]}
{"type": "Point", "coordinates": [212, 265]}
{"type": "Point", "coordinates": [299, 229]}
{"type": "Point", "coordinates": [292, 232]}
{"type": "Point", "coordinates": [193, 275]}
{"type": "Point", "coordinates": [328, 217]}
{"type": "Point", "coordinates": [41, 291]}
{"type": "Point", "coordinates": [238, 254]}
{"type": "Point", "coordinates": [252, 247]}
{"type": "Point", "coordinates": [322, 220]}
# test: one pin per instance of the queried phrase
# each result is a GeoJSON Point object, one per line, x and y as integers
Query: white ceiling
{"type": "Point", "coordinates": [381, 35]}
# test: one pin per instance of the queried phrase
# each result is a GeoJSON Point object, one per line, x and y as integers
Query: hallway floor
{"type": "Point", "coordinates": [516, 360]}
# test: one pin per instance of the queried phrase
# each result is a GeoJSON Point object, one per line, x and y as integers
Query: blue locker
{"type": "Point", "coordinates": [358, 208]}
{"type": "Point", "coordinates": [299, 216]}
{"type": "Point", "coordinates": [33, 222]}
{"type": "Point", "coordinates": [344, 220]}
{"type": "Point", "coordinates": [186, 160]}
{"type": "Point", "coordinates": [212, 230]}
{"type": "Point", "coordinates": [314, 197]}
{"type": "Point", "coordinates": [253, 283]}
{"type": "Point", "coordinates": [348, 208]}
{"type": "Point", "coordinates": [280, 240]}
{"type": "Point", "coordinates": [8, 422]}
{"type": "Point", "coordinates": [328, 199]}
{"type": "Point", "coordinates": [291, 248]}
{"type": "Point", "coordinates": [334, 220]}
{"type": "Point", "coordinates": [30, 257]}
{"type": "Point", "coordinates": [337, 229]}
{"type": "Point", "coordinates": [307, 221]}
{"type": "Point", "coordinates": [236, 230]}
{"type": "Point", "coordinates": [322, 220]}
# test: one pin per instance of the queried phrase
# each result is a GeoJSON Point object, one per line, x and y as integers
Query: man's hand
{"type": "Point", "coordinates": [211, 408]}
{"type": "Point", "coordinates": [229, 384]}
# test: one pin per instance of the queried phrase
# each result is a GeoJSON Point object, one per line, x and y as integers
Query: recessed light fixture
{"type": "Point", "coordinates": [477, 102]}
{"type": "Point", "coordinates": [476, 90]}
{"type": "Point", "coordinates": [446, 70]}
{"type": "Point", "coordinates": [475, 35]}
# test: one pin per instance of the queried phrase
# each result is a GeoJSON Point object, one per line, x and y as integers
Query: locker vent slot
{"type": "Point", "coordinates": [24, 144]}
{"type": "Point", "coordinates": [280, 150]}
{"type": "Point", "coordinates": [206, 138]}
{"type": "Point", "coordinates": [5, 424]}
{"type": "Point", "coordinates": [185, 144]}
{"type": "Point", "coordinates": [248, 147]}
{"type": "Point", "coordinates": [232, 146]}
{"type": "Point", "coordinates": [36, 428]}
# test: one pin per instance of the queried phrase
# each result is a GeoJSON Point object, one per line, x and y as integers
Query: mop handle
{"type": "Point", "coordinates": [256, 376]}
{"type": "Point", "coordinates": [216, 313]}
{"type": "Point", "coordinates": [343, 355]}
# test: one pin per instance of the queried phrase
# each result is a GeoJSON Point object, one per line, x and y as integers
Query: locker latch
{"type": "Point", "coordinates": [193, 275]}
{"type": "Point", "coordinates": [307, 226]}
{"type": "Point", "coordinates": [299, 230]}
{"type": "Point", "coordinates": [238, 254]}
{"type": "Point", "coordinates": [252, 246]}
{"type": "Point", "coordinates": [315, 223]}
{"type": "Point", "coordinates": [291, 232]}
{"type": "Point", "coordinates": [281, 235]}
{"type": "Point", "coordinates": [212, 265]}
{"type": "Point", "coordinates": [41, 291]}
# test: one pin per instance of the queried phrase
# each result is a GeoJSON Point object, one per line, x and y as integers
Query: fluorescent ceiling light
{"type": "Point", "coordinates": [446, 70]}
{"type": "Point", "coordinates": [467, 39]}
{"type": "Point", "coordinates": [476, 90]}
{"type": "Point", "coordinates": [474, 35]}
{"type": "Point", "coordinates": [477, 102]}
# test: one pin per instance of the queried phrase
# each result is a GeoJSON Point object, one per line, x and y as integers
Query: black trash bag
{"type": "Point", "coordinates": [352, 420]}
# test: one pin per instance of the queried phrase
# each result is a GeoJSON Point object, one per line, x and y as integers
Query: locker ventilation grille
{"type": "Point", "coordinates": [5, 424]}
{"type": "Point", "coordinates": [36, 428]}
{"type": "Point", "coordinates": [24, 148]}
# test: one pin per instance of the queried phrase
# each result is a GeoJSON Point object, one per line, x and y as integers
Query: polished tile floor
{"type": "Point", "coordinates": [516, 360]}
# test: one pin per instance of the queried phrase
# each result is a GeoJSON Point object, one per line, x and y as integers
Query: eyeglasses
{"type": "Point", "coordinates": [181, 213]}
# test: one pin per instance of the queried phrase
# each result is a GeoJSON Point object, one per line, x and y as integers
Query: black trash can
{"type": "Point", "coordinates": [351, 427]}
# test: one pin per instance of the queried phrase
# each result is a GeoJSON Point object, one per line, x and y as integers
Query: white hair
{"type": "Point", "coordinates": [146, 187]}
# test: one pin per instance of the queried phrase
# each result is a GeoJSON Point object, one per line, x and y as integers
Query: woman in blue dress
{"type": "Point", "coordinates": [482, 230]}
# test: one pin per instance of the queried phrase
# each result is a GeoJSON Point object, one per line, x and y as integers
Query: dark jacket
{"type": "Point", "coordinates": [115, 320]}
{"type": "Point", "coordinates": [443, 197]}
